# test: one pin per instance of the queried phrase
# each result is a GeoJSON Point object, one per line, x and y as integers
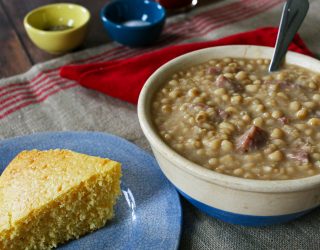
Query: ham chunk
{"type": "Point", "coordinates": [284, 120]}
{"type": "Point", "coordinates": [299, 155]}
{"type": "Point", "coordinates": [223, 82]}
{"type": "Point", "coordinates": [302, 151]}
{"type": "Point", "coordinates": [253, 138]}
{"type": "Point", "coordinates": [214, 70]}
{"type": "Point", "coordinates": [286, 85]}
{"type": "Point", "coordinates": [223, 114]}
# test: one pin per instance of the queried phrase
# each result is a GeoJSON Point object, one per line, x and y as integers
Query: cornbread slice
{"type": "Point", "coordinates": [49, 197]}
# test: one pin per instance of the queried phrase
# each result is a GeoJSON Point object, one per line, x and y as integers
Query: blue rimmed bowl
{"type": "Point", "coordinates": [232, 199]}
{"type": "Point", "coordinates": [133, 22]}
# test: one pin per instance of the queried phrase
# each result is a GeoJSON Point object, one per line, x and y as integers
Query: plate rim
{"type": "Point", "coordinates": [116, 137]}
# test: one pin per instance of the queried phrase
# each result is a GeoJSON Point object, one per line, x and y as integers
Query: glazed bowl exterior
{"type": "Point", "coordinates": [39, 20]}
{"type": "Point", "coordinates": [116, 13]}
{"type": "Point", "coordinates": [232, 199]}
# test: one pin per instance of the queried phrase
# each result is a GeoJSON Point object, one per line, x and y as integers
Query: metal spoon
{"type": "Point", "coordinates": [294, 12]}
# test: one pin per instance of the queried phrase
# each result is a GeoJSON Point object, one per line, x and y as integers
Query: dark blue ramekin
{"type": "Point", "coordinates": [119, 15]}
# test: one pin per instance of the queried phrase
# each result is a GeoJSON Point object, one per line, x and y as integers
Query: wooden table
{"type": "Point", "coordinates": [17, 52]}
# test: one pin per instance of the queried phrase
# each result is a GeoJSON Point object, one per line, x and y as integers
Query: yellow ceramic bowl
{"type": "Point", "coordinates": [57, 28]}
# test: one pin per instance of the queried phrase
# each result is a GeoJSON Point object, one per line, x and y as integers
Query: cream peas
{"type": "Point", "coordinates": [232, 116]}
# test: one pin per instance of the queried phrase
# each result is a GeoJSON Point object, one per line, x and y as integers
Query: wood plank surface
{"type": "Point", "coordinates": [18, 53]}
{"type": "Point", "coordinates": [96, 35]}
{"type": "Point", "coordinates": [13, 58]}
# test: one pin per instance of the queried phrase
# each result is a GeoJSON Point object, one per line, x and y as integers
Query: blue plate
{"type": "Point", "coordinates": [148, 214]}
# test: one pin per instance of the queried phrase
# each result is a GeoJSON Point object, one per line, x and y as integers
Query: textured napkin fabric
{"type": "Point", "coordinates": [125, 78]}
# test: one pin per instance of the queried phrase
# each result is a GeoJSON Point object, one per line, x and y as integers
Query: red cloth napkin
{"type": "Point", "coordinates": [124, 78]}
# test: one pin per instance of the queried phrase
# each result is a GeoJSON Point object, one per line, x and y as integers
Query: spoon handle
{"type": "Point", "coordinates": [294, 12]}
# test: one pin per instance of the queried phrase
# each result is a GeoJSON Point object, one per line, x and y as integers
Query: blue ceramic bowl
{"type": "Point", "coordinates": [133, 22]}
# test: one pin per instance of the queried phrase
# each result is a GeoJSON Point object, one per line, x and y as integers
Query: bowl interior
{"type": "Point", "coordinates": [121, 11]}
{"type": "Point", "coordinates": [58, 15]}
{"type": "Point", "coordinates": [163, 74]}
